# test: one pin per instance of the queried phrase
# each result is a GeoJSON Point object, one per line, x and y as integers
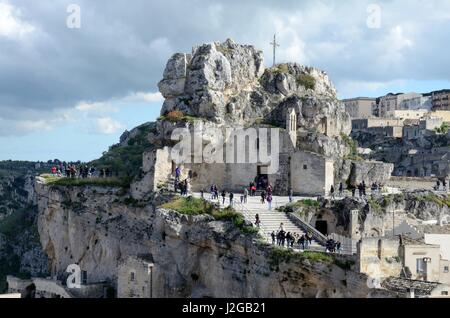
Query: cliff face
{"type": "Point", "coordinates": [194, 256]}
{"type": "Point", "coordinates": [20, 250]}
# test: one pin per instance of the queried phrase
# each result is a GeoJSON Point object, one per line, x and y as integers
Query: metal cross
{"type": "Point", "coordinates": [275, 45]}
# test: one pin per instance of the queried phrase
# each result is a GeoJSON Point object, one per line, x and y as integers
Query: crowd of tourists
{"type": "Point", "coordinates": [80, 171]}
{"type": "Point", "coordinates": [333, 246]}
{"type": "Point", "coordinates": [361, 188]}
{"type": "Point", "coordinates": [302, 242]}
{"type": "Point", "coordinates": [266, 194]}
{"type": "Point", "coordinates": [182, 185]}
{"type": "Point", "coordinates": [438, 185]}
{"type": "Point", "coordinates": [291, 240]}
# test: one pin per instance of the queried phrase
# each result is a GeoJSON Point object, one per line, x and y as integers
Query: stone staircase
{"type": "Point", "coordinates": [270, 220]}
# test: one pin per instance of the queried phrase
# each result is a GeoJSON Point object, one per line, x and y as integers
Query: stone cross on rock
{"type": "Point", "coordinates": [275, 45]}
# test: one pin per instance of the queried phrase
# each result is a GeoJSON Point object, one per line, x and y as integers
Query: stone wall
{"type": "Point", "coordinates": [379, 257]}
{"type": "Point", "coordinates": [414, 252]}
{"type": "Point", "coordinates": [157, 168]}
{"type": "Point", "coordinates": [134, 279]}
{"type": "Point", "coordinates": [311, 174]}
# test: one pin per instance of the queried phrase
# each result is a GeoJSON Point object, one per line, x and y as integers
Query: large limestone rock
{"type": "Point", "coordinates": [354, 172]}
{"type": "Point", "coordinates": [228, 83]}
{"type": "Point", "coordinates": [201, 84]}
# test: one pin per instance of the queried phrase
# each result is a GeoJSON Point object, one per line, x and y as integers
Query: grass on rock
{"type": "Point", "coordinates": [78, 182]}
{"type": "Point", "coordinates": [194, 206]}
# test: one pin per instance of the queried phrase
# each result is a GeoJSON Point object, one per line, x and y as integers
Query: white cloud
{"type": "Point", "coordinates": [394, 46]}
{"type": "Point", "coordinates": [22, 125]}
{"type": "Point", "coordinates": [144, 97]}
{"type": "Point", "coordinates": [108, 126]}
{"type": "Point", "coordinates": [100, 107]}
{"type": "Point", "coordinates": [10, 23]}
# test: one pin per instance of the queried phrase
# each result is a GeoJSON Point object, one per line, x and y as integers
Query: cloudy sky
{"type": "Point", "coordinates": [69, 93]}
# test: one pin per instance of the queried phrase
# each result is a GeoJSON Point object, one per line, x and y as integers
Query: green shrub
{"type": "Point", "coordinates": [431, 197]}
{"type": "Point", "coordinates": [375, 206]}
{"type": "Point", "coordinates": [126, 160]}
{"type": "Point", "coordinates": [307, 81]}
{"type": "Point", "coordinates": [445, 127]}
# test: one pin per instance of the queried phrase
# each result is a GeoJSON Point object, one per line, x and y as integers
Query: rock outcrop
{"type": "Point", "coordinates": [228, 83]}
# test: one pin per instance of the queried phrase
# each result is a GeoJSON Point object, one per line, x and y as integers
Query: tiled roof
{"type": "Point", "coordinates": [404, 285]}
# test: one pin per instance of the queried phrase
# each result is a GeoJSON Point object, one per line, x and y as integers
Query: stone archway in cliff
{"type": "Point", "coordinates": [30, 291]}
{"type": "Point", "coordinates": [375, 232]}
{"type": "Point", "coordinates": [322, 227]}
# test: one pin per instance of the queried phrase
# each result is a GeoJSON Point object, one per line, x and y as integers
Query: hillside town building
{"type": "Point", "coordinates": [359, 107]}
{"type": "Point", "coordinates": [440, 100]}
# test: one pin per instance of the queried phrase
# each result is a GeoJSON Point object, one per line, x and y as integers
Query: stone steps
{"type": "Point", "coordinates": [270, 220]}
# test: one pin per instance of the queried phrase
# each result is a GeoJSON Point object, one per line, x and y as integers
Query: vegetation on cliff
{"type": "Point", "coordinates": [178, 116]}
{"type": "Point", "coordinates": [125, 158]}
{"type": "Point", "coordinates": [280, 255]}
{"type": "Point", "coordinates": [352, 145]}
{"type": "Point", "coordinates": [79, 182]}
{"type": "Point", "coordinates": [194, 206]}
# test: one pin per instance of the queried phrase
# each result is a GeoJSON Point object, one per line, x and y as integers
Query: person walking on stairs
{"type": "Point", "coordinates": [224, 196]}
{"type": "Point", "coordinates": [263, 197]}
{"type": "Point", "coordinates": [257, 221]}
{"type": "Point", "coordinates": [269, 201]}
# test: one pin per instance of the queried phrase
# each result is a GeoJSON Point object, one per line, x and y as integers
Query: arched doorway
{"type": "Point", "coordinates": [322, 227]}
{"type": "Point", "coordinates": [30, 291]}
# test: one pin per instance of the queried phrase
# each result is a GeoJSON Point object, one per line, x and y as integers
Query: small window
{"type": "Point", "coordinates": [84, 277]}
{"type": "Point", "coordinates": [444, 293]}
{"type": "Point", "coordinates": [132, 277]}
{"type": "Point", "coordinates": [445, 269]}
{"type": "Point", "coordinates": [305, 167]}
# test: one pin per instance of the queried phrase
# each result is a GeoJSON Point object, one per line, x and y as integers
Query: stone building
{"type": "Point", "coordinates": [379, 126]}
{"type": "Point", "coordinates": [443, 114]}
{"type": "Point", "coordinates": [389, 103]}
{"type": "Point", "coordinates": [440, 100]}
{"type": "Point", "coordinates": [381, 258]}
{"type": "Point", "coordinates": [424, 163]}
{"type": "Point", "coordinates": [404, 114]}
{"type": "Point", "coordinates": [52, 288]}
{"type": "Point", "coordinates": [359, 107]}
{"type": "Point", "coordinates": [135, 277]}
{"type": "Point", "coordinates": [424, 127]}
